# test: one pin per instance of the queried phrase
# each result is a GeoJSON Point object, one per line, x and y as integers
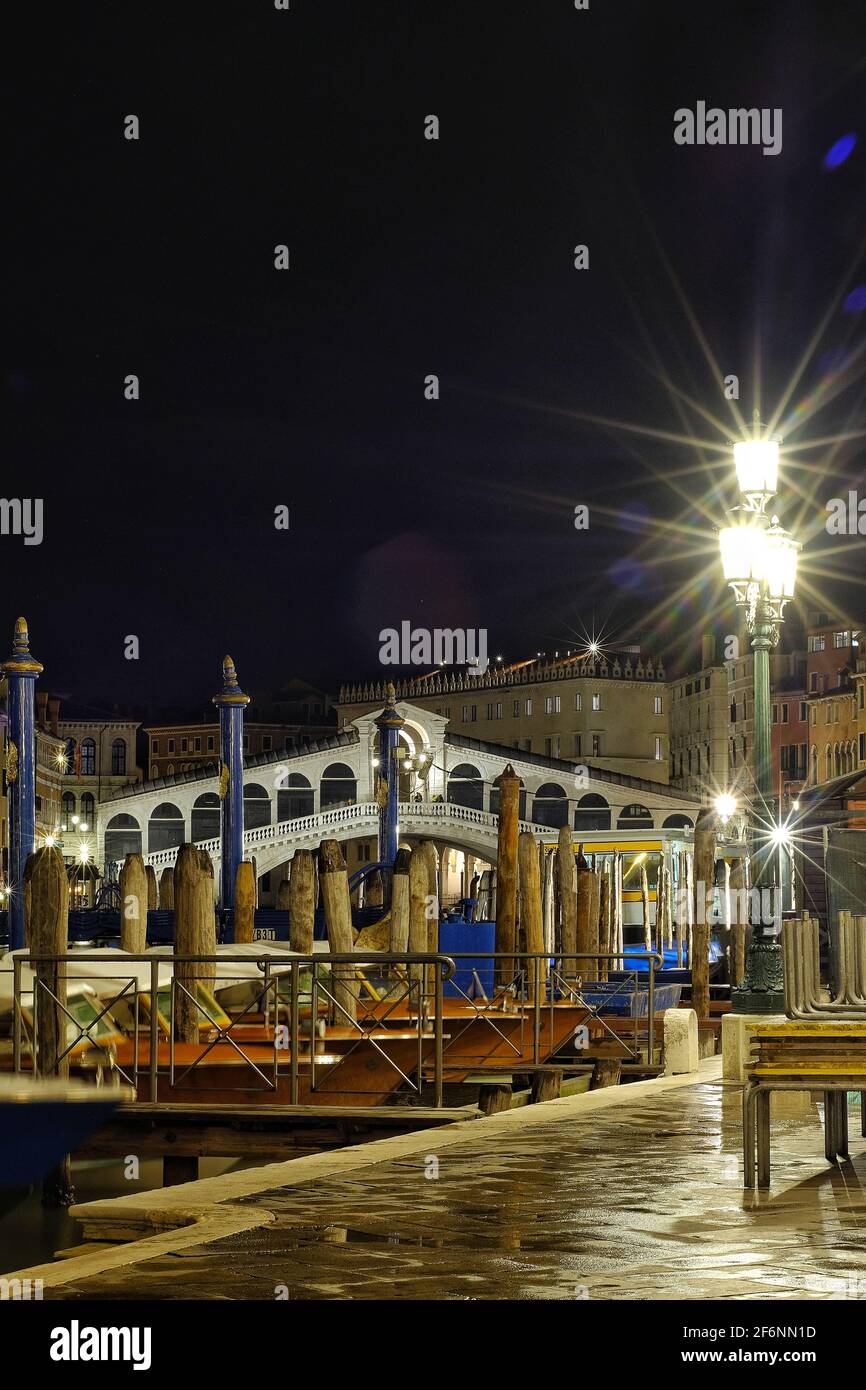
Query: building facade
{"type": "Point", "coordinates": [837, 730]}
{"type": "Point", "coordinates": [814, 724]}
{"type": "Point", "coordinates": [296, 713]}
{"type": "Point", "coordinates": [179, 747]}
{"type": "Point", "coordinates": [699, 718]}
{"type": "Point", "coordinates": [608, 712]}
{"type": "Point", "coordinates": [94, 756]}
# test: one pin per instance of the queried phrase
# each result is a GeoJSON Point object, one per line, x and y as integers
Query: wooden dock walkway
{"type": "Point", "coordinates": [267, 1133]}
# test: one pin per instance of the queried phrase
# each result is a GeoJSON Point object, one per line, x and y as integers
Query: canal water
{"type": "Point", "coordinates": [30, 1233]}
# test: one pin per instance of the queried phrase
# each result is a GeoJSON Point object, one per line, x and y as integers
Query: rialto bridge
{"type": "Point", "coordinates": [327, 789]}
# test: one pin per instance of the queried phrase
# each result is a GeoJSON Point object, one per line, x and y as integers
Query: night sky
{"type": "Point", "coordinates": [409, 257]}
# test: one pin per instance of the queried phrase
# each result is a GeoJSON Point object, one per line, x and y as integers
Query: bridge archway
{"type": "Point", "coordinates": [122, 837]}
{"type": "Point", "coordinates": [295, 797]}
{"type": "Point", "coordinates": [257, 806]}
{"type": "Point", "coordinates": [635, 817]}
{"type": "Point", "coordinates": [338, 786]}
{"type": "Point", "coordinates": [677, 822]}
{"type": "Point", "coordinates": [466, 787]}
{"type": "Point", "coordinates": [592, 812]}
{"type": "Point", "coordinates": [165, 827]}
{"type": "Point", "coordinates": [205, 817]}
{"type": "Point", "coordinates": [550, 805]}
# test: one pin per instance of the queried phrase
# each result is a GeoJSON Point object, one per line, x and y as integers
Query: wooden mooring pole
{"type": "Point", "coordinates": [399, 939]}
{"type": "Point", "coordinates": [166, 890]}
{"type": "Point", "coordinates": [302, 901]}
{"type": "Point", "coordinates": [604, 922]}
{"type": "Point", "coordinates": [245, 902]}
{"type": "Point", "coordinates": [194, 935]}
{"type": "Point", "coordinates": [531, 918]}
{"type": "Point", "coordinates": [566, 871]}
{"type": "Point", "coordinates": [704, 861]}
{"type": "Point", "coordinates": [739, 923]}
{"type": "Point", "coordinates": [133, 905]}
{"type": "Point", "coordinates": [431, 856]}
{"type": "Point", "coordinates": [584, 965]}
{"type": "Point", "coordinates": [506, 870]}
{"type": "Point", "coordinates": [48, 932]}
{"type": "Point", "coordinates": [152, 888]}
{"type": "Point", "coordinates": [419, 892]}
{"type": "Point", "coordinates": [334, 880]}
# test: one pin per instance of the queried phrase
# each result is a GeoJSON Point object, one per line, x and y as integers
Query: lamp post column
{"type": "Point", "coordinates": [21, 671]}
{"type": "Point", "coordinates": [759, 560]}
{"type": "Point", "coordinates": [763, 987]}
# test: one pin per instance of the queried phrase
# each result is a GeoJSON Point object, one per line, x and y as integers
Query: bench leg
{"type": "Point", "coordinates": [748, 1136]}
{"type": "Point", "coordinates": [763, 1136]}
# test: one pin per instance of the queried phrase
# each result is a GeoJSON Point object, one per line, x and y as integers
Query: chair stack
{"type": "Point", "coordinates": [802, 969]}
{"type": "Point", "coordinates": [822, 1048]}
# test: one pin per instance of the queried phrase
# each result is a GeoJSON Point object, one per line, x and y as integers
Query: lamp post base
{"type": "Point", "coordinates": [763, 987]}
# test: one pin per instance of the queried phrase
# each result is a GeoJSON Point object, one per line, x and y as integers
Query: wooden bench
{"type": "Point", "coordinates": [828, 1057]}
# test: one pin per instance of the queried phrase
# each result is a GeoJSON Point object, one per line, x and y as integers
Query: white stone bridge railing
{"type": "Point", "coordinates": [460, 826]}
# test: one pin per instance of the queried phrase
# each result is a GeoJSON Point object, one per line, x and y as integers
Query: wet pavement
{"type": "Point", "coordinates": [643, 1200]}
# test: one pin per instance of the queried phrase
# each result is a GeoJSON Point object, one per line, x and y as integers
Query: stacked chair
{"type": "Point", "coordinates": [821, 1048]}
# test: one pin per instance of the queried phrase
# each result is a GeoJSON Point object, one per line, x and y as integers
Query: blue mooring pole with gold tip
{"type": "Point", "coordinates": [389, 724]}
{"type": "Point", "coordinates": [21, 671]}
{"type": "Point", "coordinates": [230, 702]}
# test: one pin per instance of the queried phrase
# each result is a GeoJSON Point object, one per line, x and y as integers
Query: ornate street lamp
{"type": "Point", "coordinates": [759, 560]}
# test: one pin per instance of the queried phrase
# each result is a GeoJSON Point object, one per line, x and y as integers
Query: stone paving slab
{"type": "Point", "coordinates": [638, 1198]}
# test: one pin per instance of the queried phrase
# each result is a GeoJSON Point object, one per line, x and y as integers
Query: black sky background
{"type": "Point", "coordinates": [407, 257]}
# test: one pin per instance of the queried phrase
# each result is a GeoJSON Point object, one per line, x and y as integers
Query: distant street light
{"type": "Point", "coordinates": [759, 560]}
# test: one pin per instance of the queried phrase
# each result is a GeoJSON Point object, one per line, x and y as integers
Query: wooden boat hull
{"type": "Point", "coordinates": [351, 1073]}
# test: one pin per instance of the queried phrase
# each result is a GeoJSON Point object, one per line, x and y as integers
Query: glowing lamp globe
{"type": "Point", "coordinates": [742, 550]}
{"type": "Point", "coordinates": [757, 463]}
{"type": "Point", "coordinates": [780, 563]}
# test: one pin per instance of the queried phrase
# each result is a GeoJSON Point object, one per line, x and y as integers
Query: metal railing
{"type": "Point", "coordinates": [532, 1004]}
{"type": "Point", "coordinates": [343, 983]}
{"type": "Point", "coordinates": [533, 986]}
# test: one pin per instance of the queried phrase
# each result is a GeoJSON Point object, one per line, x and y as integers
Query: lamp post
{"type": "Point", "coordinates": [759, 560]}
